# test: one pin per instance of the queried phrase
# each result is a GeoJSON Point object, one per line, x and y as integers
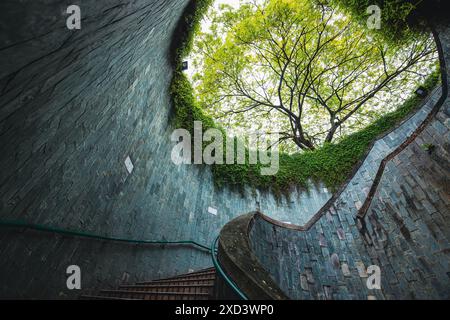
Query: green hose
{"type": "Point", "coordinates": [22, 224]}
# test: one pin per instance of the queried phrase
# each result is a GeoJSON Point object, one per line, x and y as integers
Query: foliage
{"type": "Point", "coordinates": [429, 147]}
{"type": "Point", "coordinates": [186, 29]}
{"type": "Point", "coordinates": [300, 69]}
{"type": "Point", "coordinates": [186, 107]}
{"type": "Point", "coordinates": [401, 20]}
{"type": "Point", "coordinates": [330, 164]}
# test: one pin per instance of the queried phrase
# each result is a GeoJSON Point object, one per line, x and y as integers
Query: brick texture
{"type": "Point", "coordinates": [74, 106]}
{"type": "Point", "coordinates": [405, 232]}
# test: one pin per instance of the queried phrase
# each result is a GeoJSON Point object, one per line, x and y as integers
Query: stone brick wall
{"type": "Point", "coordinates": [406, 231]}
{"type": "Point", "coordinates": [74, 106]}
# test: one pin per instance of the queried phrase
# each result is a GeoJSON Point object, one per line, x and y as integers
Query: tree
{"type": "Point", "coordinates": [301, 68]}
{"type": "Point", "coordinates": [399, 17]}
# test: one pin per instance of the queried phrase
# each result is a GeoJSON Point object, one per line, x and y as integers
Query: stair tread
{"type": "Point", "coordinates": [168, 286]}
{"type": "Point", "coordinates": [187, 277]}
{"type": "Point", "coordinates": [191, 274]}
{"type": "Point", "coordinates": [149, 289]}
{"type": "Point", "coordinates": [160, 293]}
{"type": "Point", "coordinates": [176, 280]}
{"type": "Point", "coordinates": [104, 298]}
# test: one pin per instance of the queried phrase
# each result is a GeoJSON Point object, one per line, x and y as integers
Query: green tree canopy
{"type": "Point", "coordinates": [401, 20]}
{"type": "Point", "coordinates": [301, 68]}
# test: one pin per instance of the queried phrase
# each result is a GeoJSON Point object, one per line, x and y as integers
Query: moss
{"type": "Point", "coordinates": [330, 164]}
{"type": "Point", "coordinates": [187, 27]}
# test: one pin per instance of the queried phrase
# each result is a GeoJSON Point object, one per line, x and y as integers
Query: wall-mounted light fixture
{"type": "Point", "coordinates": [421, 92]}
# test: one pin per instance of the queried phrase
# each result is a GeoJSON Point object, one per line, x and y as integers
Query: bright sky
{"type": "Point", "coordinates": [394, 98]}
{"type": "Point", "coordinates": [234, 3]}
{"type": "Point", "coordinates": [206, 23]}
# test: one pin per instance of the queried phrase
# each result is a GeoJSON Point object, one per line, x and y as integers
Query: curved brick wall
{"type": "Point", "coordinates": [405, 231]}
{"type": "Point", "coordinates": [74, 106]}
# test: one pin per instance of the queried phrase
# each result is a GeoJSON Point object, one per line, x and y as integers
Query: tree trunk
{"type": "Point", "coordinates": [331, 133]}
{"type": "Point", "coordinates": [304, 144]}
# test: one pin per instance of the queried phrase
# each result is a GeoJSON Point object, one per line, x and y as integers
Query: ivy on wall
{"type": "Point", "coordinates": [330, 164]}
{"type": "Point", "coordinates": [400, 19]}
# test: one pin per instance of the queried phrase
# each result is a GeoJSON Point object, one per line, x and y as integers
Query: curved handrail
{"type": "Point", "coordinates": [222, 272]}
{"type": "Point", "coordinates": [51, 229]}
{"type": "Point", "coordinates": [361, 212]}
{"type": "Point", "coordinates": [244, 268]}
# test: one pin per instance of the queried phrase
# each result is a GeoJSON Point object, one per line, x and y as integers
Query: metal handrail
{"type": "Point", "coordinates": [222, 272]}
{"type": "Point", "coordinates": [22, 224]}
{"type": "Point", "coordinates": [51, 229]}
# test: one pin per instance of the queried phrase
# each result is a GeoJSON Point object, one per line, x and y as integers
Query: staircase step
{"type": "Point", "coordinates": [198, 285]}
{"type": "Point", "coordinates": [198, 272]}
{"type": "Point", "coordinates": [96, 297]}
{"type": "Point", "coordinates": [198, 276]}
{"type": "Point", "coordinates": [206, 288]}
{"type": "Point", "coordinates": [143, 295]}
{"type": "Point", "coordinates": [193, 281]}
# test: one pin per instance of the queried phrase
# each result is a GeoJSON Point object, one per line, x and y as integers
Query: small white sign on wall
{"type": "Point", "coordinates": [212, 210]}
{"type": "Point", "coordinates": [129, 165]}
